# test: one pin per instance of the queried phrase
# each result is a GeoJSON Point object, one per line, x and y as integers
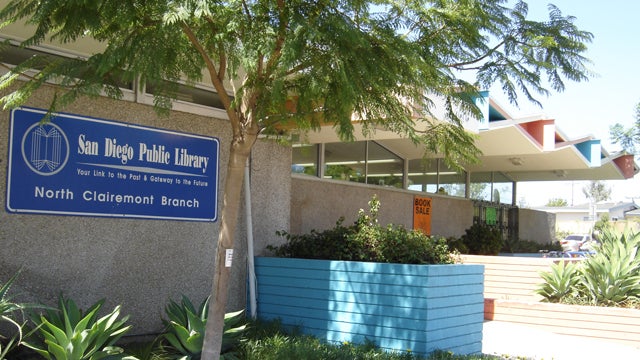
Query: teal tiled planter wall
{"type": "Point", "coordinates": [400, 307]}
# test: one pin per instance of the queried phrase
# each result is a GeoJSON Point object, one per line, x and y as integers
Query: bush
{"type": "Point", "coordinates": [482, 239]}
{"type": "Point", "coordinates": [328, 244]}
{"type": "Point", "coordinates": [366, 240]}
{"type": "Point", "coordinates": [457, 245]}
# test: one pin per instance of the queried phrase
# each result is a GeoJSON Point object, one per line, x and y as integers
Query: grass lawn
{"type": "Point", "coordinates": [270, 342]}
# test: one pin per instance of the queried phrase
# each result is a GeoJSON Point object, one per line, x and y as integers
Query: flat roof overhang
{"type": "Point", "coordinates": [508, 147]}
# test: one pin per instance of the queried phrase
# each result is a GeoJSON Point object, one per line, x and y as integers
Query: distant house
{"type": "Point", "coordinates": [633, 215]}
{"type": "Point", "coordinates": [580, 218]}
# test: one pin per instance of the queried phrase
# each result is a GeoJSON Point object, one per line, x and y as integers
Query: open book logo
{"type": "Point", "coordinates": [45, 148]}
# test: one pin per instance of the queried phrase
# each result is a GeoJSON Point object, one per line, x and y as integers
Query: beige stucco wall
{"type": "Point", "coordinates": [318, 204]}
{"type": "Point", "coordinates": [140, 264]}
{"type": "Point", "coordinates": [538, 226]}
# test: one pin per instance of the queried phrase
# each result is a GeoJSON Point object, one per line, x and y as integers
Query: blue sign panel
{"type": "Point", "coordinates": [74, 165]}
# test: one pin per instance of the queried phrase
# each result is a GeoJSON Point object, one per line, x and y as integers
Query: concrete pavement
{"type": "Point", "coordinates": [502, 338]}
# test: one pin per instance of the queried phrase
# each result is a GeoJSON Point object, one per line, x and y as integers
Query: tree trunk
{"type": "Point", "coordinates": [238, 155]}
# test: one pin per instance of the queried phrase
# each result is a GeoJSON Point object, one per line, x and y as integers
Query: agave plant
{"type": "Point", "coordinates": [66, 333]}
{"type": "Point", "coordinates": [612, 275]}
{"type": "Point", "coordinates": [560, 283]}
{"type": "Point", "coordinates": [185, 330]}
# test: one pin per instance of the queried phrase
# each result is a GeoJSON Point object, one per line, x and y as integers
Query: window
{"type": "Point", "coordinates": [190, 94]}
{"type": "Point", "coordinates": [305, 159]}
{"type": "Point", "coordinates": [491, 186]}
{"type": "Point", "coordinates": [434, 176]}
{"type": "Point", "coordinates": [345, 161]}
{"type": "Point", "coordinates": [15, 55]}
{"type": "Point", "coordinates": [383, 167]}
{"type": "Point", "coordinates": [423, 175]}
{"type": "Point", "coordinates": [369, 162]}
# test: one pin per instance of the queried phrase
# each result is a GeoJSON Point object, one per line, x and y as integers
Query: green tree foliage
{"type": "Point", "coordinates": [597, 191]}
{"type": "Point", "coordinates": [629, 138]}
{"type": "Point", "coordinates": [557, 202]}
{"type": "Point", "coordinates": [305, 63]}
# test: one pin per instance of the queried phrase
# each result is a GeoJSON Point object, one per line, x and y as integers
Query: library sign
{"type": "Point", "coordinates": [75, 165]}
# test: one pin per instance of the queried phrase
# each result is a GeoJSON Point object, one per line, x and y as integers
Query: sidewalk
{"type": "Point", "coordinates": [502, 338]}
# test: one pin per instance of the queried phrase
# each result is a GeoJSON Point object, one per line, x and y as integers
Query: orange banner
{"type": "Point", "coordinates": [422, 214]}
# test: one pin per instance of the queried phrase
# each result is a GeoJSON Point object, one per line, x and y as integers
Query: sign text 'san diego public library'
{"type": "Point", "coordinates": [74, 165]}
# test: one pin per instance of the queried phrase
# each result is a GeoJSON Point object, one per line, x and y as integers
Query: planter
{"type": "Point", "coordinates": [602, 323]}
{"type": "Point", "coordinates": [399, 307]}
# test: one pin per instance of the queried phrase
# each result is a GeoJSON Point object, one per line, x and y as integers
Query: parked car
{"type": "Point", "coordinates": [574, 242]}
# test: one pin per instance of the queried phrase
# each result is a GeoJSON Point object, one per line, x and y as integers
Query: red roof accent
{"type": "Point", "coordinates": [536, 129]}
{"type": "Point", "coordinates": [626, 165]}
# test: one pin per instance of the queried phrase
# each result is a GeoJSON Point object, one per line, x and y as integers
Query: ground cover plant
{"type": "Point", "coordinates": [367, 240]}
{"type": "Point", "coordinates": [609, 277]}
{"type": "Point", "coordinates": [270, 341]}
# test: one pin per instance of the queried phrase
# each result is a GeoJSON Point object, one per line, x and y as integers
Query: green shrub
{"type": "Point", "coordinates": [184, 331]}
{"type": "Point", "coordinates": [612, 275]}
{"type": "Point", "coordinates": [67, 333]}
{"type": "Point", "coordinates": [399, 245]}
{"type": "Point", "coordinates": [457, 244]}
{"type": "Point", "coordinates": [482, 239]}
{"type": "Point", "coordinates": [560, 283]}
{"type": "Point", "coordinates": [328, 244]}
{"type": "Point", "coordinates": [366, 240]}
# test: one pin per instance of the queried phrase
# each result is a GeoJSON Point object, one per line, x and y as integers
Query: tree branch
{"type": "Point", "coordinates": [282, 30]}
{"type": "Point", "coordinates": [215, 78]}
{"type": "Point", "coordinates": [474, 61]}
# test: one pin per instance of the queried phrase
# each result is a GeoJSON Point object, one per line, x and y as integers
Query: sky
{"type": "Point", "coordinates": [590, 108]}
